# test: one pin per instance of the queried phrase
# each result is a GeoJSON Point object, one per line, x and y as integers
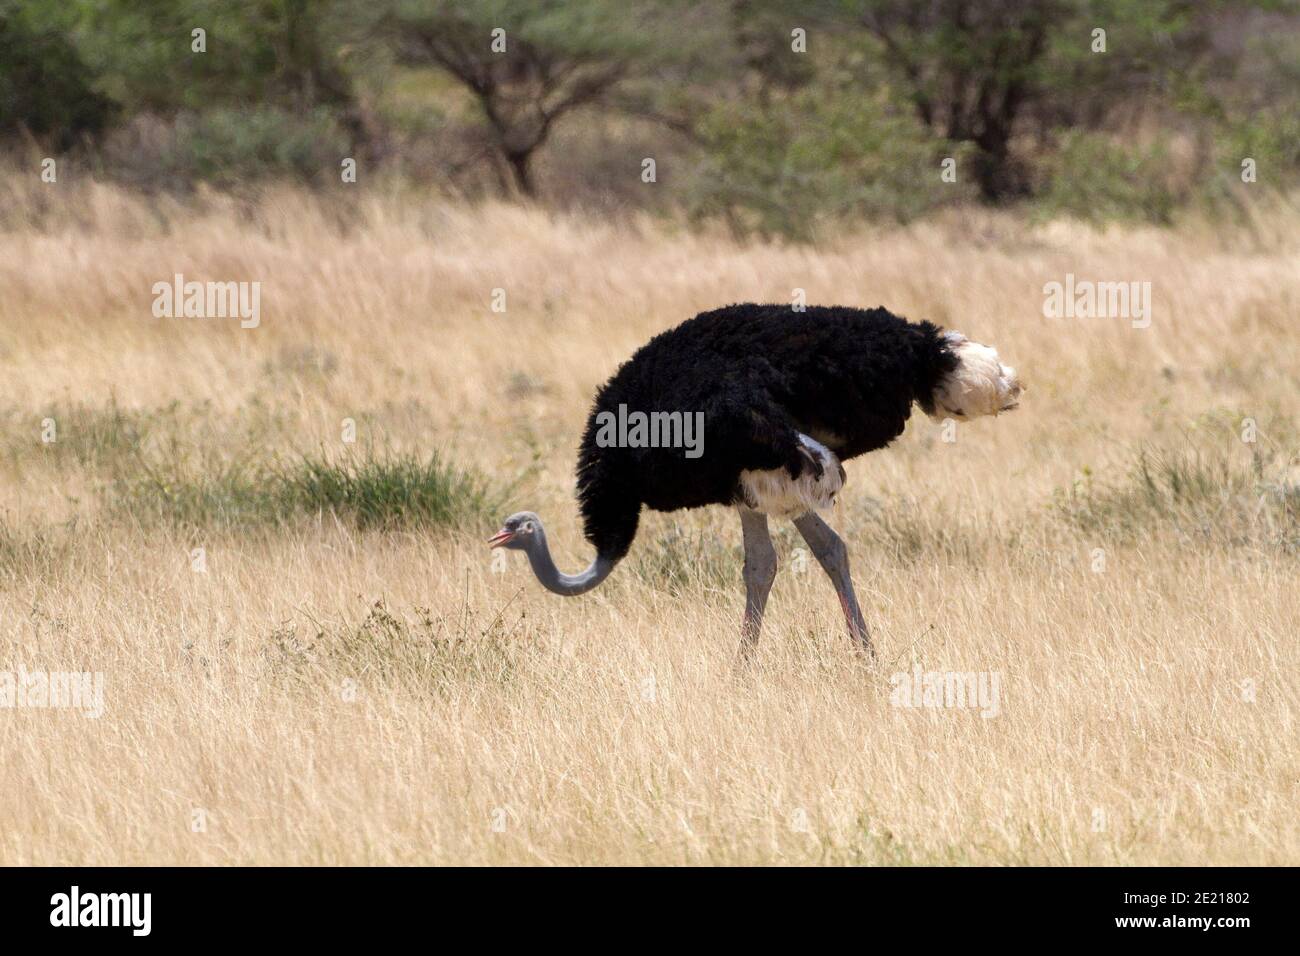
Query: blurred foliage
{"type": "Point", "coordinates": [285, 52]}
{"type": "Point", "coordinates": [821, 154]}
{"type": "Point", "coordinates": [530, 66]}
{"type": "Point", "coordinates": [773, 116]}
{"type": "Point", "coordinates": [227, 146]}
{"type": "Point", "coordinates": [45, 88]}
{"type": "Point", "coordinates": [1093, 177]}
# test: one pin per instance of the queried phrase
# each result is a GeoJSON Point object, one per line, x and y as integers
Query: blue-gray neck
{"type": "Point", "coordinates": [555, 580]}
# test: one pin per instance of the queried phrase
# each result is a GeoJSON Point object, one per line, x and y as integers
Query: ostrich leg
{"type": "Point", "coordinates": [833, 556]}
{"type": "Point", "coordinates": [759, 573]}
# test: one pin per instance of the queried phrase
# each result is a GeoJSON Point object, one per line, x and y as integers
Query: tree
{"type": "Point", "coordinates": [527, 65]}
{"type": "Point", "coordinates": [44, 85]}
{"type": "Point", "coordinates": [981, 71]}
{"type": "Point", "coordinates": [969, 67]}
{"type": "Point", "coordinates": [285, 55]}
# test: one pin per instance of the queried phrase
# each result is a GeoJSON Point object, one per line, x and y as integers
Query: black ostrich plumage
{"type": "Point", "coordinates": [760, 374]}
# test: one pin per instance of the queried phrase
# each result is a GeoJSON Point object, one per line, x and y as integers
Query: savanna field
{"type": "Point", "coordinates": [311, 657]}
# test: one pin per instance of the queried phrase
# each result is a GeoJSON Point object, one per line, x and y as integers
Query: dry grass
{"type": "Point", "coordinates": [333, 692]}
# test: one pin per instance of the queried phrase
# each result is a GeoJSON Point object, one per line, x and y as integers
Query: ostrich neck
{"type": "Point", "coordinates": [553, 579]}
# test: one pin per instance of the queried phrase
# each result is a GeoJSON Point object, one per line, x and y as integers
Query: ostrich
{"type": "Point", "coordinates": [783, 398]}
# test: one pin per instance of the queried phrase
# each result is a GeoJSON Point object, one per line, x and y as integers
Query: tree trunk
{"type": "Point", "coordinates": [998, 174]}
{"type": "Point", "coordinates": [521, 172]}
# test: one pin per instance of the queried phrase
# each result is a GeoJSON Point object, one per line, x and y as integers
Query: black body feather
{"type": "Point", "coordinates": [760, 374]}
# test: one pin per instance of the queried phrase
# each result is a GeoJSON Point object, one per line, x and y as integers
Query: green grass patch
{"type": "Point", "coordinates": [370, 490]}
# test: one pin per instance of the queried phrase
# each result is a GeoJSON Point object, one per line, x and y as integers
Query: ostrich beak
{"type": "Point", "coordinates": [500, 538]}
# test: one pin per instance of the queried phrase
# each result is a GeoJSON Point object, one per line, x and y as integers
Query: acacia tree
{"type": "Point", "coordinates": [281, 54]}
{"type": "Point", "coordinates": [529, 65]}
{"type": "Point", "coordinates": [982, 71]}
{"type": "Point", "coordinates": [969, 67]}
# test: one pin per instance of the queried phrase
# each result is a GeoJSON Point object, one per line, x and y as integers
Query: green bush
{"type": "Point", "coordinates": [45, 87]}
{"type": "Point", "coordinates": [232, 146]}
{"type": "Point", "coordinates": [817, 156]}
{"type": "Point", "coordinates": [1095, 178]}
{"type": "Point", "coordinates": [1271, 138]}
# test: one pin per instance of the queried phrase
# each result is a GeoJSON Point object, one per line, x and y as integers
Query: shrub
{"type": "Point", "coordinates": [820, 155]}
{"type": "Point", "coordinates": [44, 86]}
{"type": "Point", "coordinates": [1095, 178]}
{"type": "Point", "coordinates": [229, 147]}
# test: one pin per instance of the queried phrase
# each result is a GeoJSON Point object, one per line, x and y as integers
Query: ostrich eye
{"type": "Point", "coordinates": [529, 527]}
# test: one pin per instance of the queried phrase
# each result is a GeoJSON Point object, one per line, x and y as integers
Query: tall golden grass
{"type": "Point", "coordinates": [1115, 552]}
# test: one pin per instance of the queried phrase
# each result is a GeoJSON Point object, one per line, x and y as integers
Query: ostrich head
{"type": "Point", "coordinates": [519, 532]}
{"type": "Point", "coordinates": [523, 531]}
{"type": "Point", "coordinates": [979, 385]}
